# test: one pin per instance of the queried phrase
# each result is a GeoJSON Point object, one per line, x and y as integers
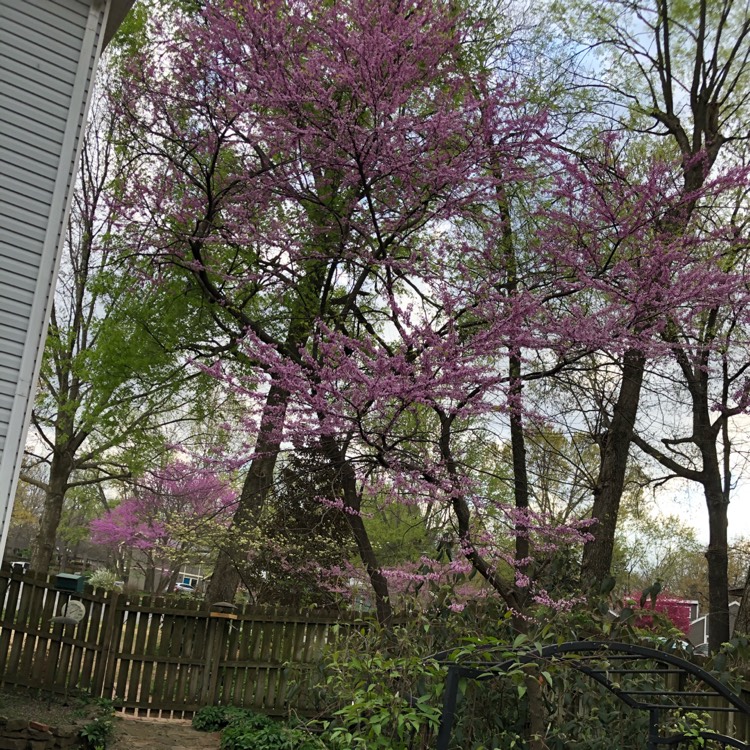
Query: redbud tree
{"type": "Point", "coordinates": [167, 522]}
{"type": "Point", "coordinates": [337, 180]}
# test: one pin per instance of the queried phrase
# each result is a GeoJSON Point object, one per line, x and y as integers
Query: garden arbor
{"type": "Point", "coordinates": [49, 51]}
{"type": "Point", "coordinates": [675, 693]}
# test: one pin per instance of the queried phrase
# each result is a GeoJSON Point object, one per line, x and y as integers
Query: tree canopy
{"type": "Point", "coordinates": [472, 284]}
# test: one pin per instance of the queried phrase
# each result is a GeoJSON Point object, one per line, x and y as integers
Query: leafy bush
{"type": "Point", "coordinates": [385, 690]}
{"type": "Point", "coordinates": [214, 718]}
{"type": "Point", "coordinates": [103, 579]}
{"type": "Point", "coordinates": [97, 733]}
{"type": "Point", "coordinates": [250, 735]}
{"type": "Point", "coordinates": [210, 719]}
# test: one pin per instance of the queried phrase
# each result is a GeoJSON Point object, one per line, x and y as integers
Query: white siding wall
{"type": "Point", "coordinates": [48, 53]}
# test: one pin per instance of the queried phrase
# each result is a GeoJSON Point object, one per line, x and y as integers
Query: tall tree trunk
{"type": "Point", "coordinates": [718, 573]}
{"type": "Point", "coordinates": [716, 492]}
{"type": "Point", "coordinates": [227, 573]}
{"type": "Point", "coordinates": [149, 580]}
{"type": "Point", "coordinates": [515, 375]}
{"type": "Point", "coordinates": [43, 547]}
{"type": "Point", "coordinates": [716, 488]}
{"type": "Point", "coordinates": [520, 472]}
{"type": "Point", "coordinates": [535, 699]}
{"type": "Point", "coordinates": [613, 462]}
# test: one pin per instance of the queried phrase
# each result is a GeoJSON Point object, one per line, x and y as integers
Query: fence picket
{"type": "Point", "coordinates": [125, 651]}
{"type": "Point", "coordinates": [93, 652]}
{"type": "Point", "coordinates": [107, 635]}
{"type": "Point", "coordinates": [244, 680]}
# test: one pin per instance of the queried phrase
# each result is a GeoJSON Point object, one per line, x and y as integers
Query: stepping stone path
{"type": "Point", "coordinates": [161, 734]}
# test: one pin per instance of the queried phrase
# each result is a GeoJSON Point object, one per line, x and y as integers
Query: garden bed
{"type": "Point", "coordinates": [49, 721]}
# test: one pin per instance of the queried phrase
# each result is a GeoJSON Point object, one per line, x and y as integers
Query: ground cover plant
{"type": "Point", "coordinates": [243, 729]}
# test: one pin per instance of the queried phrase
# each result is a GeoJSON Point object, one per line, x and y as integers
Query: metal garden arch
{"type": "Point", "coordinates": [678, 685]}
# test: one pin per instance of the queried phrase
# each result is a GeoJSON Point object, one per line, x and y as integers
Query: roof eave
{"type": "Point", "coordinates": [117, 12]}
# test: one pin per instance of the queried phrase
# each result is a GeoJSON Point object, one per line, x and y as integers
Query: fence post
{"type": "Point", "coordinates": [108, 639]}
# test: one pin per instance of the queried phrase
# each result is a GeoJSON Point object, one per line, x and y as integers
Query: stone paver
{"type": "Point", "coordinates": [161, 734]}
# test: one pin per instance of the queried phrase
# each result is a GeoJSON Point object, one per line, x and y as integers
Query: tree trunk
{"type": "Point", "coordinates": [613, 462]}
{"type": "Point", "coordinates": [520, 476]}
{"type": "Point", "coordinates": [43, 548]}
{"type": "Point", "coordinates": [718, 574]}
{"type": "Point", "coordinates": [227, 573]}
{"type": "Point", "coordinates": [353, 508]}
{"type": "Point", "coordinates": [537, 712]}
{"type": "Point", "coordinates": [742, 623]}
{"type": "Point", "coordinates": [149, 580]}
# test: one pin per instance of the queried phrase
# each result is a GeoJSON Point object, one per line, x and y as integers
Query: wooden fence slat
{"type": "Point", "coordinates": [23, 613]}
{"type": "Point", "coordinates": [158, 694]}
{"type": "Point", "coordinates": [153, 623]}
{"type": "Point", "coordinates": [93, 652]}
{"type": "Point", "coordinates": [244, 677]}
{"type": "Point", "coordinates": [230, 670]}
{"type": "Point", "coordinates": [139, 645]}
{"type": "Point", "coordinates": [172, 672]}
{"type": "Point", "coordinates": [36, 601]}
{"type": "Point", "coordinates": [271, 698]}
{"type": "Point", "coordinates": [108, 635]}
{"type": "Point", "coordinates": [197, 654]}
{"type": "Point", "coordinates": [287, 655]}
{"type": "Point", "coordinates": [262, 654]}
{"type": "Point", "coordinates": [124, 652]}
{"type": "Point", "coordinates": [185, 654]}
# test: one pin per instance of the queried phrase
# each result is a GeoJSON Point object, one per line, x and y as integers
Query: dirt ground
{"type": "Point", "coordinates": [130, 733]}
{"type": "Point", "coordinates": [160, 734]}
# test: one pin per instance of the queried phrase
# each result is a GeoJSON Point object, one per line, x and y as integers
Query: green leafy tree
{"type": "Point", "coordinates": [111, 380]}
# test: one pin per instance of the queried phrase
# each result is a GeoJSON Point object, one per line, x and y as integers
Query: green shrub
{"type": "Point", "coordinates": [250, 735]}
{"type": "Point", "coordinates": [387, 693]}
{"type": "Point", "coordinates": [214, 718]}
{"type": "Point", "coordinates": [97, 733]}
{"type": "Point", "coordinates": [210, 719]}
{"type": "Point", "coordinates": [103, 579]}
{"type": "Point", "coordinates": [384, 691]}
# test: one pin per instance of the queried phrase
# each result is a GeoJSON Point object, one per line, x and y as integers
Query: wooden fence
{"type": "Point", "coordinates": [158, 655]}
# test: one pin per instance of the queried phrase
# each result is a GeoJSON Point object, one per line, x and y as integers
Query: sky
{"type": "Point", "coordinates": [689, 504]}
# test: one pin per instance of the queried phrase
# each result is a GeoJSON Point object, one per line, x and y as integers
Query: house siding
{"type": "Point", "coordinates": [48, 55]}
